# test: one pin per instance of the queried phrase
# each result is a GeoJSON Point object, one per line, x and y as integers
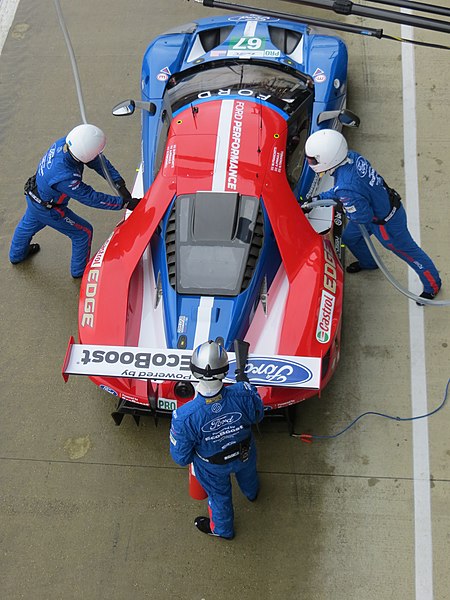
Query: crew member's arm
{"type": "Point", "coordinates": [328, 195]}
{"type": "Point", "coordinates": [77, 189]}
{"type": "Point", "coordinates": [258, 405]}
{"type": "Point", "coordinates": [251, 401]}
{"type": "Point", "coordinates": [356, 206]}
{"type": "Point", "coordinates": [119, 182]}
{"type": "Point", "coordinates": [96, 164]}
{"type": "Point", "coordinates": [182, 444]}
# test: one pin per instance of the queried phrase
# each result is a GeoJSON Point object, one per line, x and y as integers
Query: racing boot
{"type": "Point", "coordinates": [203, 525]}
{"type": "Point", "coordinates": [255, 497]}
{"type": "Point", "coordinates": [32, 249]}
{"type": "Point", "coordinates": [427, 296]}
{"type": "Point", "coordinates": [355, 267]}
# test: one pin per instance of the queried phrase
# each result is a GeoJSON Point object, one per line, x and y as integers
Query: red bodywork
{"type": "Point", "coordinates": [111, 297]}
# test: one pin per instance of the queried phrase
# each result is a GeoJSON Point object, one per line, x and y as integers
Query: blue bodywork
{"type": "Point", "coordinates": [323, 58]}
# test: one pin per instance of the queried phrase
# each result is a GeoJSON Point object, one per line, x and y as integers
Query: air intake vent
{"type": "Point", "coordinates": [284, 39]}
{"type": "Point", "coordinates": [211, 38]}
{"type": "Point", "coordinates": [170, 248]}
{"type": "Point", "coordinates": [255, 249]}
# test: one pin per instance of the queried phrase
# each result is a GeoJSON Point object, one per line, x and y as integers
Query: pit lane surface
{"type": "Point", "coordinates": [89, 510]}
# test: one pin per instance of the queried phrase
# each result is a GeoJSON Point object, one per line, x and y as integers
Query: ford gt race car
{"type": "Point", "coordinates": [220, 248]}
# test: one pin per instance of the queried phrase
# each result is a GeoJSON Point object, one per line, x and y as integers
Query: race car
{"type": "Point", "coordinates": [220, 247]}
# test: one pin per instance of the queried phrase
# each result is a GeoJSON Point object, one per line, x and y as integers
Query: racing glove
{"type": "Point", "coordinates": [241, 376]}
{"type": "Point", "coordinates": [305, 205]}
{"type": "Point", "coordinates": [131, 203]}
{"type": "Point", "coordinates": [122, 189]}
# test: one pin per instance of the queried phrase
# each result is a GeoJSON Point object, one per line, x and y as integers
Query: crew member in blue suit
{"type": "Point", "coordinates": [59, 178]}
{"type": "Point", "coordinates": [368, 200]}
{"type": "Point", "coordinates": [213, 431]}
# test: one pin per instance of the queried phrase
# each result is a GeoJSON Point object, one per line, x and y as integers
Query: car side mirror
{"type": "Point", "coordinates": [127, 107]}
{"type": "Point", "coordinates": [345, 117]}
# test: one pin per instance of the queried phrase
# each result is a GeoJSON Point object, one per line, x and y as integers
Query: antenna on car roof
{"type": "Point", "coordinates": [412, 20]}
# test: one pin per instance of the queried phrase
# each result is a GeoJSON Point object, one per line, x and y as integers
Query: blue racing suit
{"type": "Point", "coordinates": [210, 429]}
{"type": "Point", "coordinates": [366, 200]}
{"type": "Point", "coordinates": [59, 178]}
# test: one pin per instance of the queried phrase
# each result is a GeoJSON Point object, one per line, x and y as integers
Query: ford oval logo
{"type": "Point", "coordinates": [274, 371]}
{"type": "Point", "coordinates": [222, 421]}
{"type": "Point", "coordinates": [109, 390]}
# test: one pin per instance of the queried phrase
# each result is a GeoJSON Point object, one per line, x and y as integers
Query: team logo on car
{"type": "Point", "coordinates": [252, 18]}
{"type": "Point", "coordinates": [323, 331]}
{"type": "Point", "coordinates": [272, 371]}
{"type": "Point", "coordinates": [109, 390]}
{"type": "Point", "coordinates": [319, 76]}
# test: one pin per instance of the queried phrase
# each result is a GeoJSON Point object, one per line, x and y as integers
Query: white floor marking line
{"type": "Point", "coordinates": [7, 11]}
{"type": "Point", "coordinates": [421, 462]}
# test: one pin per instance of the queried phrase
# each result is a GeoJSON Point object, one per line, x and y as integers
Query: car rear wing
{"type": "Point", "coordinates": [173, 365]}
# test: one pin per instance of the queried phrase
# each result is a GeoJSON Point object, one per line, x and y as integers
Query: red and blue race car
{"type": "Point", "coordinates": [220, 248]}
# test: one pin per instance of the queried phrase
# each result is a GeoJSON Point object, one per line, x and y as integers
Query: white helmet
{"type": "Point", "coordinates": [209, 363]}
{"type": "Point", "coordinates": [325, 149]}
{"type": "Point", "coordinates": [85, 142]}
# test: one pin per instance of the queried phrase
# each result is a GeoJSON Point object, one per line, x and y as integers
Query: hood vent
{"type": "Point", "coordinates": [285, 40]}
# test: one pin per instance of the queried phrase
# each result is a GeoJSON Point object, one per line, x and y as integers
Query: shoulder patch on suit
{"type": "Point", "coordinates": [362, 166]}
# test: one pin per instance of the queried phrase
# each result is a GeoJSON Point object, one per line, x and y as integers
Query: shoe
{"type": "Point", "coordinates": [77, 276]}
{"type": "Point", "coordinates": [427, 296]}
{"type": "Point", "coordinates": [203, 525]}
{"type": "Point", "coordinates": [255, 498]}
{"type": "Point", "coordinates": [32, 249]}
{"type": "Point", "coordinates": [355, 267]}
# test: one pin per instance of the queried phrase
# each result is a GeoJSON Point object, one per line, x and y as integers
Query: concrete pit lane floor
{"type": "Point", "coordinates": [93, 511]}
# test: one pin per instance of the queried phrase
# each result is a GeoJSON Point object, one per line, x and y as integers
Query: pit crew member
{"type": "Point", "coordinates": [59, 178]}
{"type": "Point", "coordinates": [214, 432]}
{"type": "Point", "coordinates": [368, 200]}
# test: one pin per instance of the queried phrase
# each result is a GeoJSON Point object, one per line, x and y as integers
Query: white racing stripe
{"type": "Point", "coordinates": [7, 11]}
{"type": "Point", "coordinates": [152, 319]}
{"type": "Point", "coordinates": [222, 146]}
{"type": "Point", "coordinates": [203, 320]}
{"type": "Point", "coordinates": [421, 462]}
{"type": "Point", "coordinates": [250, 28]}
{"type": "Point", "coordinates": [265, 330]}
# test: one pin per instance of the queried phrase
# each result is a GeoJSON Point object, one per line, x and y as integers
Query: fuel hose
{"type": "Point", "coordinates": [76, 77]}
{"type": "Point", "coordinates": [380, 263]}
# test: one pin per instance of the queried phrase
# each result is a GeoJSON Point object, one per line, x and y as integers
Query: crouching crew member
{"type": "Point", "coordinates": [213, 431]}
{"type": "Point", "coordinates": [59, 178]}
{"type": "Point", "coordinates": [369, 201]}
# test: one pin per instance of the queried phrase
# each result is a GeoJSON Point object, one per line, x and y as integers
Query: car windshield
{"type": "Point", "coordinates": [280, 86]}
